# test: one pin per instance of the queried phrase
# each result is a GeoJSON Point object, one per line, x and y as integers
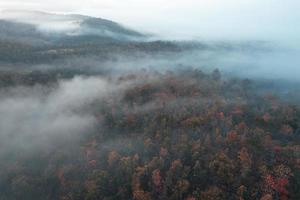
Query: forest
{"type": "Point", "coordinates": [174, 135]}
{"type": "Point", "coordinates": [193, 100]}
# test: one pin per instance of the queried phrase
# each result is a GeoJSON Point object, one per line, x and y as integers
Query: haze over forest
{"type": "Point", "coordinates": [149, 100]}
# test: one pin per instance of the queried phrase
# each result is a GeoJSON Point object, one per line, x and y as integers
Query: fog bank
{"type": "Point", "coordinates": [32, 117]}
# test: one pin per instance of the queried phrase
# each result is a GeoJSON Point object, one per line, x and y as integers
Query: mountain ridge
{"type": "Point", "coordinates": [71, 25]}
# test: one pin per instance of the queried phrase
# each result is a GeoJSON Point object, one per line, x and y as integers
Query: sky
{"type": "Point", "coordinates": [186, 19]}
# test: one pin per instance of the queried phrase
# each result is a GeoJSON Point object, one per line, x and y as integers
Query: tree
{"type": "Point", "coordinates": [212, 193]}
{"type": "Point", "coordinates": [245, 160]}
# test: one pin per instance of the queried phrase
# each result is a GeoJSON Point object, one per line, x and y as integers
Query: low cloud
{"type": "Point", "coordinates": [31, 116]}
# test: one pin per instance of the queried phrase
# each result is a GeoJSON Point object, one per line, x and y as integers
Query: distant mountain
{"type": "Point", "coordinates": [40, 26]}
{"type": "Point", "coordinates": [36, 37]}
{"type": "Point", "coordinates": [41, 38]}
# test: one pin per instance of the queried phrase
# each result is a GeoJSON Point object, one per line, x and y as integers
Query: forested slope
{"type": "Point", "coordinates": [173, 135]}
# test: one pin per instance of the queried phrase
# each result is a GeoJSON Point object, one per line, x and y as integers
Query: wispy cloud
{"type": "Point", "coordinates": [31, 116]}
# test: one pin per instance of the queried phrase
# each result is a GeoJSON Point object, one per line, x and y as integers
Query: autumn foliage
{"type": "Point", "coordinates": [182, 135]}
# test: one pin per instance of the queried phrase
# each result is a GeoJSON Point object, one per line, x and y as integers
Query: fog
{"type": "Point", "coordinates": [38, 116]}
{"type": "Point", "coordinates": [98, 101]}
{"type": "Point", "coordinates": [257, 40]}
{"type": "Point", "coordinates": [43, 21]}
{"type": "Point", "coordinates": [267, 62]}
{"type": "Point", "coordinates": [213, 20]}
{"type": "Point", "coordinates": [230, 22]}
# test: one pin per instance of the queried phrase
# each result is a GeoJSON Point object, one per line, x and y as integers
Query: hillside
{"type": "Point", "coordinates": [37, 38]}
{"type": "Point", "coordinates": [174, 135]}
{"type": "Point", "coordinates": [70, 25]}
{"type": "Point", "coordinates": [93, 110]}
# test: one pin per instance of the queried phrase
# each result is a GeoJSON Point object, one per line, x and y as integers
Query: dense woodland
{"type": "Point", "coordinates": [177, 135]}
{"type": "Point", "coordinates": [19, 53]}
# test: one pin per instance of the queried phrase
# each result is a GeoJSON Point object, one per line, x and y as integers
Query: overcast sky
{"type": "Point", "coordinates": [201, 19]}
